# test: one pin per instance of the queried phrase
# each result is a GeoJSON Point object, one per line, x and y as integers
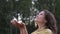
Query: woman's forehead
{"type": "Point", "coordinates": [42, 12]}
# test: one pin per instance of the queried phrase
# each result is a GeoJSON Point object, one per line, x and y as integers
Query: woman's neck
{"type": "Point", "coordinates": [41, 26]}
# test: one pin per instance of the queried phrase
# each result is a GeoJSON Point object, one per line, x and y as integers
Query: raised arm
{"type": "Point", "coordinates": [22, 27]}
{"type": "Point", "coordinates": [23, 30]}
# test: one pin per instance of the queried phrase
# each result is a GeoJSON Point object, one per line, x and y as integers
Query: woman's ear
{"type": "Point", "coordinates": [45, 21]}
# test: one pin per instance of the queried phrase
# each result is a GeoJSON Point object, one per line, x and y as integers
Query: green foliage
{"type": "Point", "coordinates": [10, 8]}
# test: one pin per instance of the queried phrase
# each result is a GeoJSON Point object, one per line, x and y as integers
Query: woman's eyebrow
{"type": "Point", "coordinates": [41, 13]}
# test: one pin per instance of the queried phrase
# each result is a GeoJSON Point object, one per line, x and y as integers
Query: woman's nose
{"type": "Point", "coordinates": [37, 15]}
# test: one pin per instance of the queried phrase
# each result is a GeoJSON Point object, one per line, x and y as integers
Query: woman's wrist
{"type": "Point", "coordinates": [22, 27]}
{"type": "Point", "coordinates": [24, 30]}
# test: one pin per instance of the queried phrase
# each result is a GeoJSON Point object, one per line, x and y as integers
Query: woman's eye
{"type": "Point", "coordinates": [40, 14]}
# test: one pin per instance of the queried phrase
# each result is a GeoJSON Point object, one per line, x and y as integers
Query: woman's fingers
{"type": "Point", "coordinates": [16, 24]}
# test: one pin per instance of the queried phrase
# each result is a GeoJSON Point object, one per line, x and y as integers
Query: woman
{"type": "Point", "coordinates": [45, 21]}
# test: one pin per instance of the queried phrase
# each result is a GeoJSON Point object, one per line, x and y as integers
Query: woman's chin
{"type": "Point", "coordinates": [36, 21]}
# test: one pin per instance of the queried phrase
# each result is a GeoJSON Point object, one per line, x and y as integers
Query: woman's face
{"type": "Point", "coordinates": [40, 17]}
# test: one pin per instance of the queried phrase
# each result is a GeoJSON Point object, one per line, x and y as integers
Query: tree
{"type": "Point", "coordinates": [9, 8]}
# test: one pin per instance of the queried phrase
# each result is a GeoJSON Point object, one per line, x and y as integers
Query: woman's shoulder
{"type": "Point", "coordinates": [48, 31]}
{"type": "Point", "coordinates": [44, 31]}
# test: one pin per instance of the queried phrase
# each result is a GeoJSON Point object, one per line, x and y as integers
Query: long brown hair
{"type": "Point", "coordinates": [51, 21]}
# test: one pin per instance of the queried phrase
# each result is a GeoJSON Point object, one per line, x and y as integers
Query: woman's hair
{"type": "Point", "coordinates": [51, 21]}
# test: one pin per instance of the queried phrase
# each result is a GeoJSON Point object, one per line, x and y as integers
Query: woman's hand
{"type": "Point", "coordinates": [21, 26]}
{"type": "Point", "coordinates": [18, 25]}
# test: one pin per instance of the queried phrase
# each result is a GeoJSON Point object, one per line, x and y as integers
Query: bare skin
{"type": "Point", "coordinates": [21, 26]}
{"type": "Point", "coordinates": [40, 20]}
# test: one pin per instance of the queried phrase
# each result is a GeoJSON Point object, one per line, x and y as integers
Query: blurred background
{"type": "Point", "coordinates": [28, 9]}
